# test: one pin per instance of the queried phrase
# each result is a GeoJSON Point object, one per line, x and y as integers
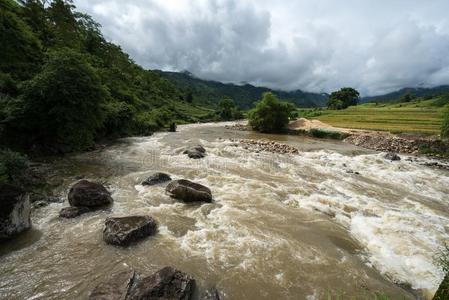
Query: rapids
{"type": "Point", "coordinates": [282, 226]}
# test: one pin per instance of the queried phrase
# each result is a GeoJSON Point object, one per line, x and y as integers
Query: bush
{"type": "Point", "coordinates": [64, 102]}
{"type": "Point", "coordinates": [12, 165]}
{"type": "Point", "coordinates": [270, 114]}
{"type": "Point", "coordinates": [322, 133]}
{"type": "Point", "coordinates": [445, 125]}
{"type": "Point", "coordinates": [343, 98]}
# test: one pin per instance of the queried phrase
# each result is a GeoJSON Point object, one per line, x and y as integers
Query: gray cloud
{"type": "Point", "coordinates": [321, 45]}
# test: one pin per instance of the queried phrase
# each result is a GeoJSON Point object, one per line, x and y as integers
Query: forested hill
{"type": "Point", "coordinates": [210, 92]}
{"type": "Point", "coordinates": [418, 92]}
{"type": "Point", "coordinates": [63, 86]}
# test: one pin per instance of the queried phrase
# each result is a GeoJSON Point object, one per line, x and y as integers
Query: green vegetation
{"type": "Point", "coordinates": [445, 124]}
{"type": "Point", "coordinates": [328, 134]}
{"type": "Point", "coordinates": [63, 86]}
{"type": "Point", "coordinates": [270, 114]}
{"type": "Point", "coordinates": [228, 110]}
{"type": "Point", "coordinates": [12, 166]}
{"type": "Point", "coordinates": [443, 261]}
{"type": "Point", "coordinates": [343, 98]}
{"type": "Point", "coordinates": [419, 116]}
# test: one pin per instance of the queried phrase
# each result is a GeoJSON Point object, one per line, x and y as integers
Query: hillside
{"type": "Point", "coordinates": [418, 92]}
{"type": "Point", "coordinates": [208, 92]}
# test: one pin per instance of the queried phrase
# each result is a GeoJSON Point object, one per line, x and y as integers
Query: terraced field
{"type": "Point", "coordinates": [415, 117]}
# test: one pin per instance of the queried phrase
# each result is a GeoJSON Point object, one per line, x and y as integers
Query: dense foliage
{"type": "Point", "coordinates": [63, 86]}
{"type": "Point", "coordinates": [227, 110]}
{"type": "Point", "coordinates": [12, 166]}
{"type": "Point", "coordinates": [343, 98]}
{"type": "Point", "coordinates": [270, 114]}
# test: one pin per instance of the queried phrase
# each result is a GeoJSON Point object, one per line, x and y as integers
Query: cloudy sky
{"type": "Point", "coordinates": [375, 46]}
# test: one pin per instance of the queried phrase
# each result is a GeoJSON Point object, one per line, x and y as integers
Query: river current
{"type": "Point", "coordinates": [332, 221]}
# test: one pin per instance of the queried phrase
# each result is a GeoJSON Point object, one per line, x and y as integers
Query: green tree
{"type": "Point", "coordinates": [343, 98]}
{"type": "Point", "coordinates": [225, 108]}
{"type": "Point", "coordinates": [63, 103]}
{"type": "Point", "coordinates": [445, 125]}
{"type": "Point", "coordinates": [12, 165]}
{"type": "Point", "coordinates": [270, 114]}
{"type": "Point", "coordinates": [407, 97]}
{"type": "Point", "coordinates": [63, 24]}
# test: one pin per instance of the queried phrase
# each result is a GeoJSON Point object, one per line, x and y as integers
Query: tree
{"type": "Point", "coordinates": [445, 125]}
{"type": "Point", "coordinates": [407, 97]}
{"type": "Point", "coordinates": [62, 105]}
{"type": "Point", "coordinates": [270, 114]}
{"type": "Point", "coordinates": [343, 98]}
{"type": "Point", "coordinates": [64, 26]}
{"type": "Point", "coordinates": [226, 107]}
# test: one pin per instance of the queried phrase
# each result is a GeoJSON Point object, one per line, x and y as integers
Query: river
{"type": "Point", "coordinates": [334, 221]}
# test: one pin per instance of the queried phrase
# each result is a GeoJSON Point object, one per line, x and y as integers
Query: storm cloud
{"type": "Point", "coordinates": [319, 46]}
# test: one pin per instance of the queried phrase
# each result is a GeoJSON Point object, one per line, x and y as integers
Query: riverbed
{"type": "Point", "coordinates": [333, 220]}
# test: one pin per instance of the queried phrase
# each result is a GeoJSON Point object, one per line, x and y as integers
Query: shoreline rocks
{"type": "Point", "coordinates": [265, 145]}
{"type": "Point", "coordinates": [189, 191]}
{"type": "Point", "coordinates": [116, 288]}
{"type": "Point", "coordinates": [15, 210]}
{"type": "Point", "coordinates": [156, 178]}
{"type": "Point", "coordinates": [123, 231]}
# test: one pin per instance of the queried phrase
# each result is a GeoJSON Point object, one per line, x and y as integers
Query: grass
{"type": "Point", "coordinates": [421, 116]}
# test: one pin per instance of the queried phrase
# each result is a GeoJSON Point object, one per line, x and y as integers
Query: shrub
{"type": "Point", "coordinates": [322, 133]}
{"type": "Point", "coordinates": [270, 114]}
{"type": "Point", "coordinates": [343, 98]}
{"type": "Point", "coordinates": [12, 165]}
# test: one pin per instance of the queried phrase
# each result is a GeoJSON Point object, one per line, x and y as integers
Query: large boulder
{"type": "Point", "coordinates": [73, 211]}
{"type": "Point", "coordinates": [167, 283]}
{"type": "Point", "coordinates": [89, 194]}
{"type": "Point", "coordinates": [15, 209]}
{"type": "Point", "coordinates": [123, 231]}
{"type": "Point", "coordinates": [116, 288]}
{"type": "Point", "coordinates": [195, 152]}
{"type": "Point", "coordinates": [157, 178]}
{"type": "Point", "coordinates": [189, 191]}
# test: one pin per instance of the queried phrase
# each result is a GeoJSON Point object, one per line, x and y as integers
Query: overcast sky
{"type": "Point", "coordinates": [376, 46]}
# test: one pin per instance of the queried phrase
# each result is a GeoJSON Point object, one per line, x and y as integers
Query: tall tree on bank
{"type": "Point", "coordinates": [343, 98]}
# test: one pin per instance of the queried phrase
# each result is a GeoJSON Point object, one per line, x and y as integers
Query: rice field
{"type": "Point", "coordinates": [415, 117]}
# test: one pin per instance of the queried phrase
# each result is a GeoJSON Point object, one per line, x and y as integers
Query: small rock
{"type": "Point", "coordinates": [15, 209]}
{"type": "Point", "coordinates": [73, 211]}
{"type": "Point", "coordinates": [195, 152]}
{"type": "Point", "coordinates": [167, 283]}
{"type": "Point", "coordinates": [126, 230]}
{"type": "Point", "coordinates": [156, 179]}
{"type": "Point", "coordinates": [89, 194]}
{"type": "Point", "coordinates": [116, 288]}
{"type": "Point", "coordinates": [189, 191]}
{"type": "Point", "coordinates": [392, 156]}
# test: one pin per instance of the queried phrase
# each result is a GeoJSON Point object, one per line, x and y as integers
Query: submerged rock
{"type": "Point", "coordinates": [195, 152]}
{"type": "Point", "coordinates": [116, 288]}
{"type": "Point", "coordinates": [73, 211]}
{"type": "Point", "coordinates": [167, 283]}
{"type": "Point", "coordinates": [392, 156]}
{"type": "Point", "coordinates": [189, 191]}
{"type": "Point", "coordinates": [15, 208]}
{"type": "Point", "coordinates": [89, 194]}
{"type": "Point", "coordinates": [157, 178]}
{"type": "Point", "coordinates": [211, 294]}
{"type": "Point", "coordinates": [123, 231]}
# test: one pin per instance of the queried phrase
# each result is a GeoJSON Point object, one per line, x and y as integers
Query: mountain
{"type": "Point", "coordinates": [209, 92]}
{"type": "Point", "coordinates": [419, 92]}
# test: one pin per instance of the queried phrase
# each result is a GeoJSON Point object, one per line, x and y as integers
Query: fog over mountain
{"type": "Point", "coordinates": [318, 46]}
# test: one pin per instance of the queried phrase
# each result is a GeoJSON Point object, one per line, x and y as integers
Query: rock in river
{"type": "Point", "coordinates": [15, 208]}
{"type": "Point", "coordinates": [189, 191]}
{"type": "Point", "coordinates": [157, 178]}
{"type": "Point", "coordinates": [195, 152]}
{"type": "Point", "coordinates": [167, 283]}
{"type": "Point", "coordinates": [392, 156]}
{"type": "Point", "coordinates": [123, 231]}
{"type": "Point", "coordinates": [89, 194]}
{"type": "Point", "coordinates": [73, 211]}
{"type": "Point", "coordinates": [116, 288]}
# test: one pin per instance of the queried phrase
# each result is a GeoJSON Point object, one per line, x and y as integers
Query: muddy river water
{"type": "Point", "coordinates": [332, 221]}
